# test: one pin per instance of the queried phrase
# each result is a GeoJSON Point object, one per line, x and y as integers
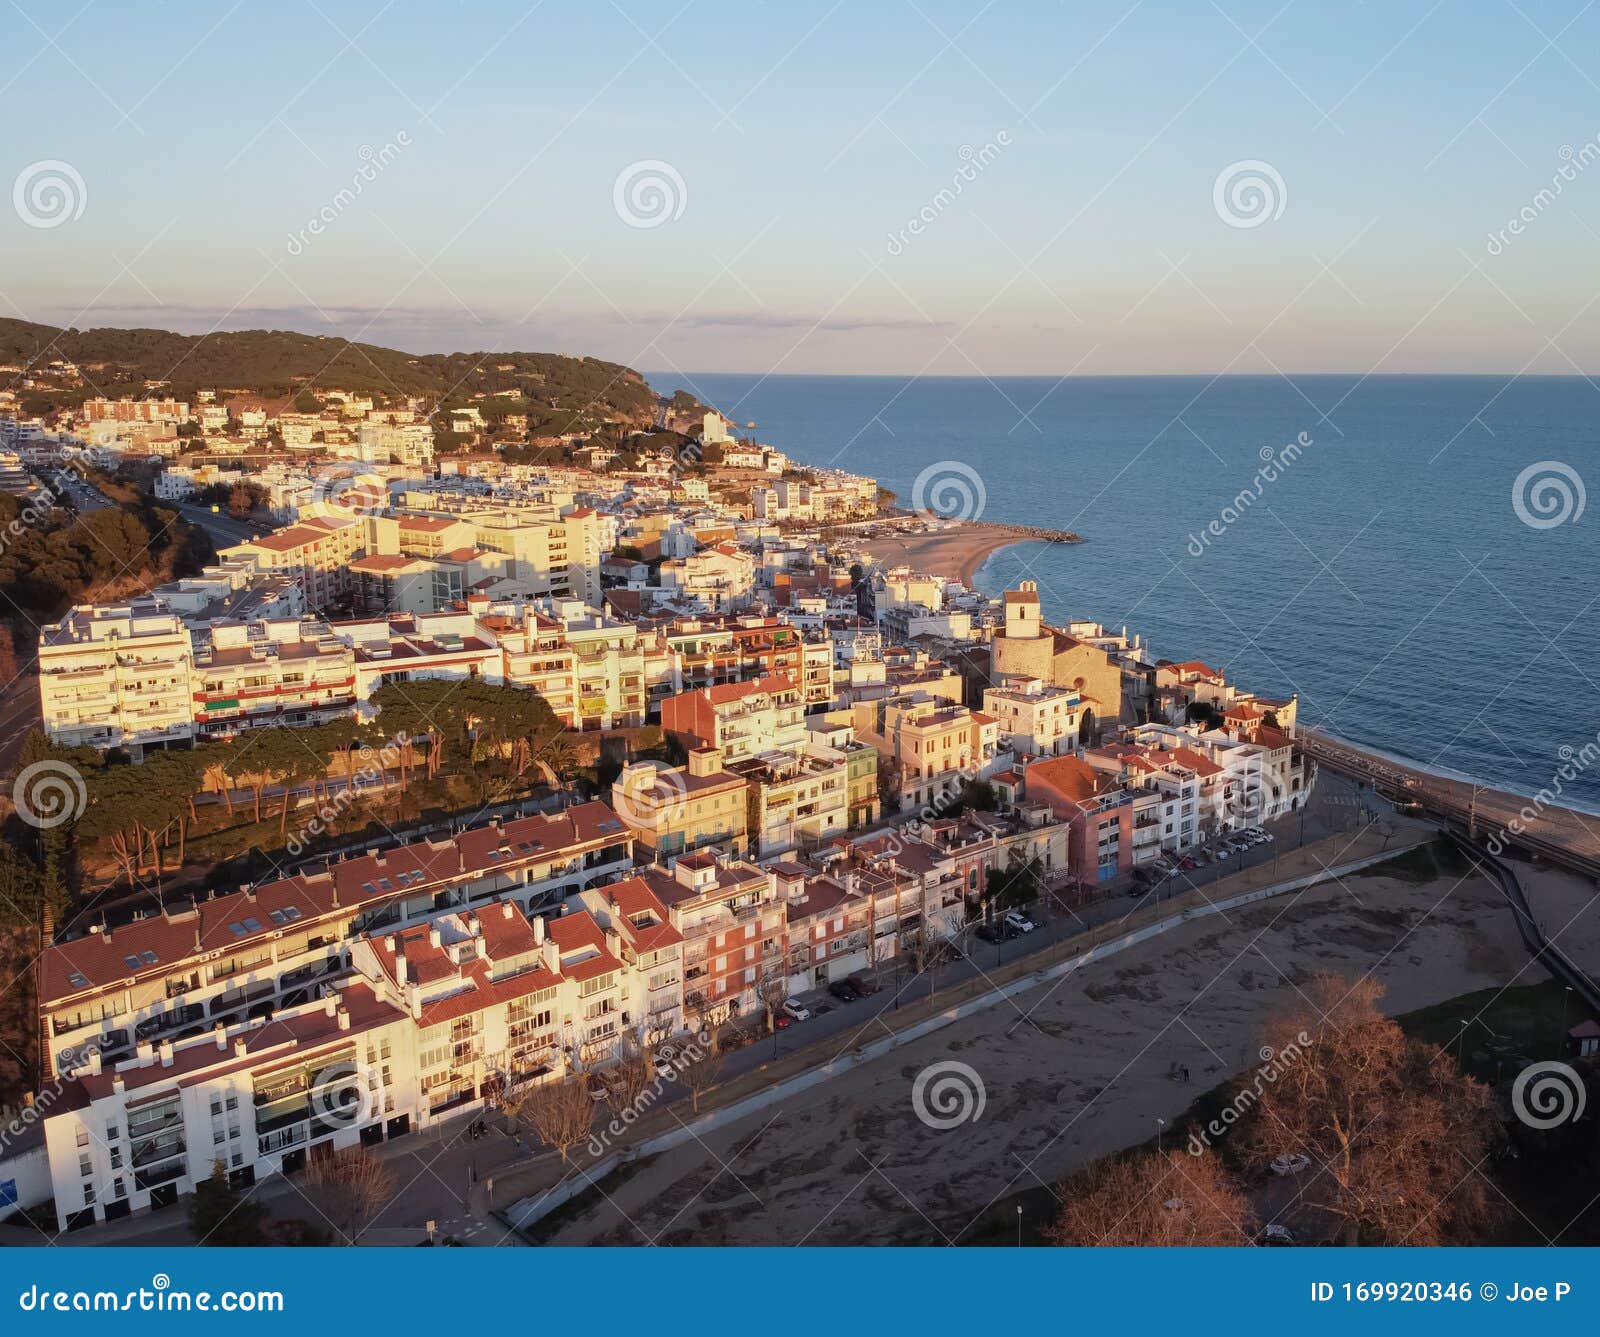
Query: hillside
{"type": "Point", "coordinates": [554, 390]}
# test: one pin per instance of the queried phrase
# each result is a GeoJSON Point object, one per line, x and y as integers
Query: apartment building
{"type": "Point", "coordinates": [734, 932]}
{"type": "Point", "coordinates": [424, 1021]}
{"type": "Point", "coordinates": [315, 552]}
{"type": "Point", "coordinates": [1036, 718]}
{"type": "Point", "coordinates": [676, 810]}
{"type": "Point", "coordinates": [1098, 813]}
{"type": "Point", "coordinates": [247, 954]}
{"type": "Point", "coordinates": [935, 747]}
{"type": "Point", "coordinates": [270, 671]}
{"type": "Point", "coordinates": [117, 675]}
{"type": "Point", "coordinates": [410, 647]}
{"type": "Point", "coordinates": [739, 719]}
{"type": "Point", "coordinates": [590, 668]}
{"type": "Point", "coordinates": [719, 578]}
{"type": "Point", "coordinates": [795, 798]}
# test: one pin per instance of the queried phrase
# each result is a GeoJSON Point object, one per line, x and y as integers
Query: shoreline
{"type": "Point", "coordinates": [960, 553]}
{"type": "Point", "coordinates": [1499, 814]}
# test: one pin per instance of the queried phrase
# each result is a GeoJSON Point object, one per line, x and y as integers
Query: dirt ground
{"type": "Point", "coordinates": [1074, 1071]}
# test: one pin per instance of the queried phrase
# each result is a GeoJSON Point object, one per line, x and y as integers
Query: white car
{"type": "Point", "coordinates": [1019, 921]}
{"type": "Point", "coordinates": [794, 1008]}
{"type": "Point", "coordinates": [1290, 1163]}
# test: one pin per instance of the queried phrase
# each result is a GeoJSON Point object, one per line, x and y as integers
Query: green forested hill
{"type": "Point", "coordinates": [278, 362]}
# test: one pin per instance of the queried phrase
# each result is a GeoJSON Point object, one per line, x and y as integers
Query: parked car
{"type": "Point", "coordinates": [863, 984]}
{"type": "Point", "coordinates": [781, 1021]}
{"type": "Point", "coordinates": [796, 1010]}
{"type": "Point", "coordinates": [843, 991]}
{"type": "Point", "coordinates": [1276, 1236]}
{"type": "Point", "coordinates": [989, 933]}
{"type": "Point", "coordinates": [1015, 919]}
{"type": "Point", "coordinates": [1290, 1163]}
{"type": "Point", "coordinates": [1188, 863]}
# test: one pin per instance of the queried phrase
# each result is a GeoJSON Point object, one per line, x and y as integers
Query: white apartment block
{"type": "Point", "coordinates": [118, 675]}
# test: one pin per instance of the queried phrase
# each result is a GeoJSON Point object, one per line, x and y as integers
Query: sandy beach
{"type": "Point", "coordinates": [1078, 1071]}
{"type": "Point", "coordinates": [957, 552]}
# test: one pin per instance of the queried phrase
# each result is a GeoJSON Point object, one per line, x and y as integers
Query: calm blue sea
{"type": "Point", "coordinates": [1385, 575]}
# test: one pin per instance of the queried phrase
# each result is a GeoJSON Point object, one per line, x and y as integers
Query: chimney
{"type": "Point", "coordinates": [538, 928]}
{"type": "Point", "coordinates": [344, 1019]}
{"type": "Point", "coordinates": [221, 1033]}
{"type": "Point", "coordinates": [330, 1004]}
{"type": "Point", "coordinates": [166, 1053]}
{"type": "Point", "coordinates": [143, 1049]}
{"type": "Point", "coordinates": [94, 1061]}
{"type": "Point", "coordinates": [116, 1082]}
{"type": "Point", "coordinates": [435, 938]}
{"type": "Point", "coordinates": [507, 909]}
{"type": "Point", "coordinates": [240, 1049]}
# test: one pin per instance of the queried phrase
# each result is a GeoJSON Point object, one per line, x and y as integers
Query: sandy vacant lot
{"type": "Point", "coordinates": [1074, 1073]}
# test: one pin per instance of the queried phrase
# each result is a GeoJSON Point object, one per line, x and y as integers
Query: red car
{"type": "Point", "coordinates": [1187, 864]}
{"type": "Point", "coordinates": [782, 1022]}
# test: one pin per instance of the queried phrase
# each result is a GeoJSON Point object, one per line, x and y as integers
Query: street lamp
{"type": "Point", "coordinates": [1160, 1124]}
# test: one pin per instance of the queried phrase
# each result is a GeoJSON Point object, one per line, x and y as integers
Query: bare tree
{"type": "Point", "coordinates": [559, 1112]}
{"type": "Point", "coordinates": [630, 1076]}
{"type": "Point", "coordinates": [1152, 1198]}
{"type": "Point", "coordinates": [699, 1065]}
{"type": "Point", "coordinates": [772, 988]}
{"type": "Point", "coordinates": [1395, 1131]}
{"type": "Point", "coordinates": [350, 1188]}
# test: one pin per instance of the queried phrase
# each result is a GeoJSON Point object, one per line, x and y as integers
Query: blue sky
{"type": "Point", "coordinates": [800, 141]}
